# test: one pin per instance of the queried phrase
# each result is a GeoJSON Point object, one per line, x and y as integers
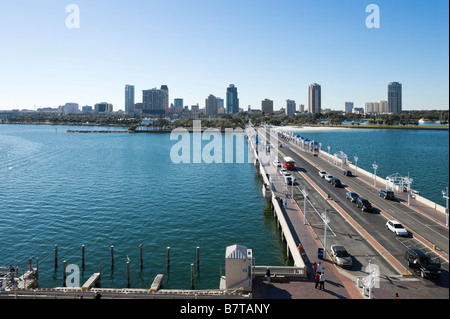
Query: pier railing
{"type": "Point", "coordinates": [280, 271]}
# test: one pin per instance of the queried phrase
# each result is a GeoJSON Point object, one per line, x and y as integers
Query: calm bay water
{"type": "Point", "coordinates": [424, 154]}
{"type": "Point", "coordinates": [123, 190]}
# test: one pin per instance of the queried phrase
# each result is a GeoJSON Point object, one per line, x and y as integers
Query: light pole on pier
{"type": "Point", "coordinates": [305, 195]}
{"type": "Point", "coordinates": [329, 155]}
{"type": "Point", "coordinates": [375, 167]}
{"type": "Point", "coordinates": [326, 220]}
{"type": "Point", "coordinates": [356, 164]}
{"type": "Point", "coordinates": [445, 196]}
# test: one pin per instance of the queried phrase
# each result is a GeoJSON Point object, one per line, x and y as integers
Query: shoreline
{"type": "Point", "coordinates": [349, 127]}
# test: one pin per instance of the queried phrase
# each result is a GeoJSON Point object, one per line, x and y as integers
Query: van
{"type": "Point", "coordinates": [427, 267]}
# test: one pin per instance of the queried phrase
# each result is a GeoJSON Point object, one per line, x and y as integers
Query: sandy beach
{"type": "Point", "coordinates": [308, 128]}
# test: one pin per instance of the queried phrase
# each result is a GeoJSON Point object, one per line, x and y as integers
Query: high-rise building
{"type": "Point", "coordinates": [267, 106]}
{"type": "Point", "coordinates": [395, 98]}
{"type": "Point", "coordinates": [211, 106]}
{"type": "Point", "coordinates": [129, 99]}
{"type": "Point", "coordinates": [348, 107]}
{"type": "Point", "coordinates": [290, 107]}
{"type": "Point", "coordinates": [155, 101]}
{"type": "Point", "coordinates": [383, 107]}
{"type": "Point", "coordinates": [71, 108]}
{"type": "Point", "coordinates": [232, 100]}
{"type": "Point", "coordinates": [314, 98]}
{"type": "Point", "coordinates": [103, 107]}
{"type": "Point", "coordinates": [178, 105]}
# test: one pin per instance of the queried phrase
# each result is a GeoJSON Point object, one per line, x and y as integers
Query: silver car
{"type": "Point", "coordinates": [340, 256]}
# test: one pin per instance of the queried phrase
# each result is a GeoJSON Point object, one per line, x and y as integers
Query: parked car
{"type": "Point", "coordinates": [423, 263]}
{"type": "Point", "coordinates": [397, 228]}
{"type": "Point", "coordinates": [348, 173]}
{"type": "Point", "coordinates": [387, 194]}
{"type": "Point", "coordinates": [328, 178]}
{"type": "Point", "coordinates": [336, 182]}
{"type": "Point", "coordinates": [322, 174]}
{"type": "Point", "coordinates": [364, 204]}
{"type": "Point", "coordinates": [289, 179]}
{"type": "Point", "coordinates": [277, 163]}
{"type": "Point", "coordinates": [340, 256]}
{"type": "Point", "coordinates": [352, 196]}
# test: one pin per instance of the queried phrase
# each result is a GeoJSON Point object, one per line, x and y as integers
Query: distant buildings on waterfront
{"type": "Point", "coordinates": [156, 102]}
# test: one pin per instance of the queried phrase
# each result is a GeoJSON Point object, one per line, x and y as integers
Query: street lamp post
{"type": "Point", "coordinates": [326, 220]}
{"type": "Point", "coordinates": [305, 194]}
{"type": "Point", "coordinates": [375, 167]}
{"type": "Point", "coordinates": [445, 196]}
{"type": "Point", "coordinates": [356, 164]}
{"type": "Point", "coordinates": [329, 155]}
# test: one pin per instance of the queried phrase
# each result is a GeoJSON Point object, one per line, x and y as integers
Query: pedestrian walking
{"type": "Point", "coordinates": [300, 248]}
{"type": "Point", "coordinates": [315, 267]}
{"type": "Point", "coordinates": [285, 203]}
{"type": "Point", "coordinates": [397, 296]}
{"type": "Point", "coordinates": [268, 275]}
{"type": "Point", "coordinates": [322, 279]}
{"type": "Point", "coordinates": [317, 279]}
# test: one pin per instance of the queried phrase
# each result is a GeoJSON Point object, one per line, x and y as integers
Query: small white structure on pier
{"type": "Point", "coordinates": [238, 269]}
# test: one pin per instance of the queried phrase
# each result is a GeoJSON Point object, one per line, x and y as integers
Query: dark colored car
{"type": "Point", "coordinates": [352, 196]}
{"type": "Point", "coordinates": [348, 173]}
{"type": "Point", "coordinates": [336, 182]}
{"type": "Point", "coordinates": [423, 263]}
{"type": "Point", "coordinates": [364, 204]}
{"type": "Point", "coordinates": [387, 194]}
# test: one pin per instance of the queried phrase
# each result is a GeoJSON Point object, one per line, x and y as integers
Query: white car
{"type": "Point", "coordinates": [397, 228]}
{"type": "Point", "coordinates": [328, 178]}
{"type": "Point", "coordinates": [322, 174]}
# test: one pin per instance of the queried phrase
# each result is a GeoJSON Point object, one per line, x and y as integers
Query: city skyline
{"type": "Point", "coordinates": [277, 50]}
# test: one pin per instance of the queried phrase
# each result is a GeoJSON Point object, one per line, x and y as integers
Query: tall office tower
{"type": "Point", "coordinates": [314, 98]}
{"type": "Point", "coordinates": [129, 99]}
{"type": "Point", "coordinates": [155, 101]}
{"type": "Point", "coordinates": [211, 106]}
{"type": "Point", "coordinates": [395, 98]}
{"type": "Point", "coordinates": [348, 107]}
{"type": "Point", "coordinates": [290, 107]}
{"type": "Point", "coordinates": [178, 105]}
{"type": "Point", "coordinates": [267, 106]}
{"type": "Point", "coordinates": [232, 100]}
{"type": "Point", "coordinates": [301, 108]}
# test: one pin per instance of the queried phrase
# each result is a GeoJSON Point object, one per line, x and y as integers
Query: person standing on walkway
{"type": "Point", "coordinates": [315, 267]}
{"type": "Point", "coordinates": [319, 268]}
{"type": "Point", "coordinates": [322, 279]}
{"type": "Point", "coordinates": [268, 275]}
{"type": "Point", "coordinates": [317, 278]}
{"type": "Point", "coordinates": [300, 248]}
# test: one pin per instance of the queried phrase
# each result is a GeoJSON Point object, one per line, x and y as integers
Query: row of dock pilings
{"type": "Point", "coordinates": [141, 262]}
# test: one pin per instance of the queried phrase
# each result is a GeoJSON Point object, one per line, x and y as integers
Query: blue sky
{"type": "Point", "coordinates": [268, 49]}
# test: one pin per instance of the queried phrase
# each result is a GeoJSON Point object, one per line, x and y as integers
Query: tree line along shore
{"type": "Point", "coordinates": [406, 120]}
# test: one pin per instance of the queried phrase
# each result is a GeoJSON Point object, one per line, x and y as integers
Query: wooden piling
{"type": "Point", "coordinates": [37, 269]}
{"type": "Point", "coordinates": [128, 274]}
{"type": "Point", "coordinates": [112, 256]}
{"type": "Point", "coordinates": [168, 257]}
{"type": "Point", "coordinates": [30, 262]}
{"type": "Point", "coordinates": [192, 276]}
{"type": "Point", "coordinates": [198, 258]}
{"type": "Point", "coordinates": [56, 257]}
{"type": "Point", "coordinates": [64, 273]}
{"type": "Point", "coordinates": [141, 257]}
{"type": "Point", "coordinates": [82, 256]}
